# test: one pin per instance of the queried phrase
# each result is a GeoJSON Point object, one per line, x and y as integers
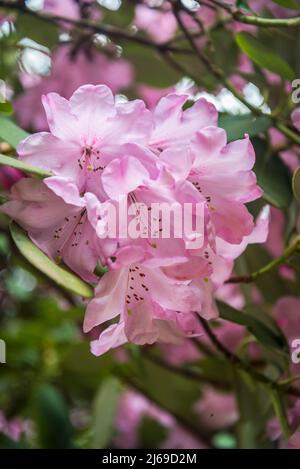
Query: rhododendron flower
{"type": "Point", "coordinates": [216, 410]}
{"type": "Point", "coordinates": [160, 25]}
{"type": "Point", "coordinates": [148, 303]}
{"type": "Point", "coordinates": [9, 176]}
{"type": "Point", "coordinates": [61, 230]}
{"type": "Point", "coordinates": [102, 153]}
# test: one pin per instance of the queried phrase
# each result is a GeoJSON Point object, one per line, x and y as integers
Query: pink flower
{"type": "Point", "coordinates": [160, 25]}
{"type": "Point", "coordinates": [132, 408]}
{"type": "Point", "coordinates": [216, 410]}
{"type": "Point", "coordinates": [104, 152]}
{"type": "Point", "coordinates": [61, 230]}
{"type": "Point", "coordinates": [150, 306]}
{"type": "Point", "coordinates": [296, 118]}
{"type": "Point", "coordinates": [220, 172]}
{"type": "Point", "coordinates": [85, 135]}
{"type": "Point", "coordinates": [83, 67]}
{"type": "Point", "coordinates": [9, 176]}
{"type": "Point", "coordinates": [15, 428]}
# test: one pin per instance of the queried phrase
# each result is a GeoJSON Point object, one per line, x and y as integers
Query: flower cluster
{"type": "Point", "coordinates": [102, 151]}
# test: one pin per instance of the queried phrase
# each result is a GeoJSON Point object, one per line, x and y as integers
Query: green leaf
{"type": "Point", "coordinates": [151, 433]}
{"type": "Point", "coordinates": [254, 411]}
{"type": "Point", "coordinates": [273, 175]}
{"type": "Point", "coordinates": [105, 408]}
{"type": "Point", "coordinates": [6, 108]}
{"type": "Point", "coordinates": [287, 4]}
{"type": "Point", "coordinates": [36, 257]}
{"type": "Point", "coordinates": [53, 423]}
{"type": "Point", "coordinates": [39, 31]}
{"type": "Point", "coordinates": [263, 56]}
{"type": "Point", "coordinates": [259, 325]}
{"type": "Point", "coordinates": [25, 167]}
{"type": "Point", "coordinates": [149, 67]}
{"type": "Point", "coordinates": [296, 184]}
{"type": "Point", "coordinates": [10, 132]}
{"type": "Point", "coordinates": [237, 126]}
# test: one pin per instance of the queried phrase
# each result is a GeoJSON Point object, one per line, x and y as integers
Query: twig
{"type": "Point", "coordinates": [295, 247]}
{"type": "Point", "coordinates": [235, 360]}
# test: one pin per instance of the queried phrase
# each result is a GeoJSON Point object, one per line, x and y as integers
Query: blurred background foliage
{"type": "Point", "coordinates": [53, 392]}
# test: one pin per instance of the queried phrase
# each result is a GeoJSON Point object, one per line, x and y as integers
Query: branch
{"type": "Point", "coordinates": [237, 15]}
{"type": "Point", "coordinates": [235, 360]}
{"type": "Point", "coordinates": [108, 30]}
{"type": "Point", "coordinates": [295, 247]}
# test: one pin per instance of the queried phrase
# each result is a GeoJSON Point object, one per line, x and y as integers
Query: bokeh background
{"type": "Point", "coordinates": [53, 392]}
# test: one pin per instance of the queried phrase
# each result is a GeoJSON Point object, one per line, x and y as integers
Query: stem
{"type": "Point", "coordinates": [280, 412]}
{"type": "Point", "coordinates": [237, 15]}
{"type": "Point", "coordinates": [268, 22]}
{"type": "Point", "coordinates": [108, 30]}
{"type": "Point", "coordinates": [295, 247]}
{"type": "Point", "coordinates": [219, 75]}
{"type": "Point", "coordinates": [235, 360]}
{"type": "Point", "coordinates": [184, 372]}
{"type": "Point", "coordinates": [287, 381]}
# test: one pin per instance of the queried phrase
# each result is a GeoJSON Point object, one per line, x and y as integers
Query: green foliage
{"type": "Point", "coordinates": [237, 125]}
{"type": "Point", "coordinates": [52, 419]}
{"type": "Point", "coordinates": [10, 132]}
{"type": "Point", "coordinates": [22, 166]}
{"type": "Point", "coordinates": [105, 409]}
{"type": "Point", "coordinates": [263, 56]}
{"type": "Point", "coordinates": [273, 175]}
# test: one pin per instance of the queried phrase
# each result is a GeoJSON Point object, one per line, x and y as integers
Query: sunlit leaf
{"type": "Point", "coordinates": [22, 166]}
{"type": "Point", "coordinates": [11, 132]}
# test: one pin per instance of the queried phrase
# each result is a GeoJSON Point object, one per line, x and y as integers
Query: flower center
{"type": "Point", "coordinates": [90, 159]}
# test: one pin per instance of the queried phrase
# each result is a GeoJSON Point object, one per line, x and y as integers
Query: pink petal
{"type": "Point", "coordinates": [122, 176]}
{"type": "Point", "coordinates": [62, 122]}
{"type": "Point", "coordinates": [92, 105]}
{"type": "Point", "coordinates": [112, 337]}
{"type": "Point", "coordinates": [109, 299]}
{"type": "Point", "coordinates": [46, 151]}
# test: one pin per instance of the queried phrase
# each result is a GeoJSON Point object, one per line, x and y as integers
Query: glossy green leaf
{"type": "Point", "coordinates": [263, 328]}
{"type": "Point", "coordinates": [22, 166]}
{"type": "Point", "coordinates": [287, 4]}
{"type": "Point", "coordinates": [105, 408]}
{"type": "Point", "coordinates": [151, 433]}
{"type": "Point", "coordinates": [52, 417]}
{"type": "Point", "coordinates": [36, 257]}
{"type": "Point", "coordinates": [39, 31]}
{"type": "Point", "coordinates": [296, 184]}
{"type": "Point", "coordinates": [237, 126]}
{"type": "Point", "coordinates": [273, 175]}
{"type": "Point", "coordinates": [11, 132]}
{"type": "Point", "coordinates": [263, 56]}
